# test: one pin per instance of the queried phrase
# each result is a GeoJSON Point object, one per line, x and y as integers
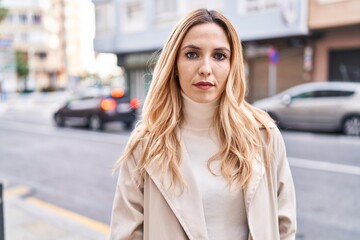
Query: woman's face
{"type": "Point", "coordinates": [203, 62]}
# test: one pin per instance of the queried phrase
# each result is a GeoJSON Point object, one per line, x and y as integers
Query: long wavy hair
{"type": "Point", "coordinates": [237, 123]}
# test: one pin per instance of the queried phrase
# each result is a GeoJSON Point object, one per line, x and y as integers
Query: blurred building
{"type": "Point", "coordinates": [335, 32]}
{"type": "Point", "coordinates": [48, 34]}
{"type": "Point", "coordinates": [279, 47]}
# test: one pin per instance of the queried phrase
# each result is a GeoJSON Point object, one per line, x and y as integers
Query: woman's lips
{"type": "Point", "coordinates": [204, 85]}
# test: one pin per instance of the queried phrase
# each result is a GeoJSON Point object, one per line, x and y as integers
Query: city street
{"type": "Point", "coordinates": [98, 63]}
{"type": "Point", "coordinates": [71, 168]}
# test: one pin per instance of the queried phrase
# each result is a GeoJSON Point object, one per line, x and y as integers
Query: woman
{"type": "Point", "coordinates": [203, 163]}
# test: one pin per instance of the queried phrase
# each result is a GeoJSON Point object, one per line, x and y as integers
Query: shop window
{"type": "Point", "coordinates": [344, 65]}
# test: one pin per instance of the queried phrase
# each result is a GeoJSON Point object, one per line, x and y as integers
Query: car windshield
{"type": "Point", "coordinates": [92, 91]}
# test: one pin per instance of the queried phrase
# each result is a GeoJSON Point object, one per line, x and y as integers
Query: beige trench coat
{"type": "Point", "coordinates": [153, 212]}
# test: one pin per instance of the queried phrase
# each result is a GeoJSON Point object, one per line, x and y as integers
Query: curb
{"type": "Point", "coordinates": [27, 217]}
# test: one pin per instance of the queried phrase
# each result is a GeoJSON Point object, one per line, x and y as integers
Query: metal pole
{"type": "Point", "coordinates": [272, 80]}
{"type": "Point", "coordinates": [2, 229]}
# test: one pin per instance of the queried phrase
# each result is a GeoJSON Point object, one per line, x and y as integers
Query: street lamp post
{"type": "Point", "coordinates": [2, 229]}
{"type": "Point", "coordinates": [273, 61]}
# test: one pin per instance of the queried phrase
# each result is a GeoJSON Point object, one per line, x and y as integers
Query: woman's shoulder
{"type": "Point", "coordinates": [271, 134]}
{"type": "Point", "coordinates": [261, 118]}
{"type": "Point", "coordinates": [138, 132]}
{"type": "Point", "coordinates": [136, 139]}
{"type": "Point", "coordinates": [268, 125]}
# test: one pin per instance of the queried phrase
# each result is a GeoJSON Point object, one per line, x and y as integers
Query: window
{"type": "Point", "coordinates": [344, 65]}
{"type": "Point", "coordinates": [133, 17]}
{"type": "Point", "coordinates": [36, 19]}
{"type": "Point", "coordinates": [323, 93]}
{"type": "Point", "coordinates": [165, 6]}
{"type": "Point", "coordinates": [105, 15]}
{"type": "Point", "coordinates": [329, 1]}
{"type": "Point", "coordinates": [23, 18]}
{"type": "Point", "coordinates": [9, 18]}
{"type": "Point", "coordinates": [41, 55]}
{"type": "Point", "coordinates": [84, 103]}
{"type": "Point", "coordinates": [332, 93]}
{"type": "Point", "coordinates": [133, 11]}
{"type": "Point", "coordinates": [303, 95]}
{"type": "Point", "coordinates": [257, 6]}
{"type": "Point", "coordinates": [166, 12]}
{"type": "Point", "coordinates": [23, 37]}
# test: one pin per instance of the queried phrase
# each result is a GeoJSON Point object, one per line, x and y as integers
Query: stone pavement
{"type": "Point", "coordinates": [29, 218]}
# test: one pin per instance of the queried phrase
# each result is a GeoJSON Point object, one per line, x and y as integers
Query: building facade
{"type": "Point", "coordinates": [313, 41]}
{"type": "Point", "coordinates": [47, 33]}
{"type": "Point", "coordinates": [335, 27]}
{"type": "Point", "coordinates": [135, 29]}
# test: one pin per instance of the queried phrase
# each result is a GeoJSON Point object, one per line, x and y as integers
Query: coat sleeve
{"type": "Point", "coordinates": [285, 191]}
{"type": "Point", "coordinates": [127, 214]}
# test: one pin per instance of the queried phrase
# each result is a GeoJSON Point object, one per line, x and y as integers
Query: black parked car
{"type": "Point", "coordinates": [95, 109]}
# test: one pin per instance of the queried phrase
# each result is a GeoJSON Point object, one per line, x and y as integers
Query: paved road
{"type": "Point", "coordinates": [71, 167]}
{"type": "Point", "coordinates": [326, 171]}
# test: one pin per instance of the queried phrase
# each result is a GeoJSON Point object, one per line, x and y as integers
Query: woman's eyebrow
{"type": "Point", "coordinates": [192, 46]}
{"type": "Point", "coordinates": [222, 49]}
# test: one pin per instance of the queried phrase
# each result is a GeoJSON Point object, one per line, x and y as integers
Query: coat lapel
{"type": "Point", "coordinates": [187, 206]}
{"type": "Point", "coordinates": [258, 171]}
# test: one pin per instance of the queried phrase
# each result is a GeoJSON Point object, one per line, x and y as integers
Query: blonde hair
{"type": "Point", "coordinates": [237, 122]}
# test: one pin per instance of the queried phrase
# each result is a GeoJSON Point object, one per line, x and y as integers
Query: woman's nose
{"type": "Point", "coordinates": [205, 68]}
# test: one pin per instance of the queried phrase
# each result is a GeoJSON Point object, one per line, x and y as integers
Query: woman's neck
{"type": "Point", "coordinates": [198, 115]}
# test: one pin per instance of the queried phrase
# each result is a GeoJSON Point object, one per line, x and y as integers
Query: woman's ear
{"type": "Point", "coordinates": [176, 73]}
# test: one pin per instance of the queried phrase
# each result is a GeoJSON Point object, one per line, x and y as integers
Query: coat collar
{"type": "Point", "coordinates": [187, 206]}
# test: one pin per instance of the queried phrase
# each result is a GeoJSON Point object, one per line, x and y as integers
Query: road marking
{"type": "Point", "coordinates": [17, 191]}
{"type": "Point", "coordinates": [88, 222]}
{"type": "Point", "coordinates": [49, 130]}
{"type": "Point", "coordinates": [324, 138]}
{"type": "Point", "coordinates": [324, 166]}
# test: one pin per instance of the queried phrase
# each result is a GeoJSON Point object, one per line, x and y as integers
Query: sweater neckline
{"type": "Point", "coordinates": [198, 116]}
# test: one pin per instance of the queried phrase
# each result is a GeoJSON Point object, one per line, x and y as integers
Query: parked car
{"type": "Point", "coordinates": [94, 108]}
{"type": "Point", "coordinates": [317, 106]}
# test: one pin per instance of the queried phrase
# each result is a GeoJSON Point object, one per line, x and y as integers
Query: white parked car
{"type": "Point", "coordinates": [317, 106]}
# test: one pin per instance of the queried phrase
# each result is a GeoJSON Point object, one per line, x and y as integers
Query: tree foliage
{"type": "Point", "coordinates": [3, 13]}
{"type": "Point", "coordinates": [22, 67]}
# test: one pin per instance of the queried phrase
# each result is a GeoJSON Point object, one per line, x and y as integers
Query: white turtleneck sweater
{"type": "Point", "coordinates": [224, 208]}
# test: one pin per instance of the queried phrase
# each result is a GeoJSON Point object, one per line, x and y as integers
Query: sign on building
{"type": "Point", "coordinates": [7, 66]}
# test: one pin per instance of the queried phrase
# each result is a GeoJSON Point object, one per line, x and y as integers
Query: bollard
{"type": "Point", "coordinates": [2, 229]}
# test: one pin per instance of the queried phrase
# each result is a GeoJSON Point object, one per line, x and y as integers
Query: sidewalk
{"type": "Point", "coordinates": [36, 103]}
{"type": "Point", "coordinates": [29, 218]}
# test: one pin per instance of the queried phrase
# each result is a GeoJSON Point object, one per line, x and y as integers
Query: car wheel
{"type": "Point", "coordinates": [128, 125]}
{"type": "Point", "coordinates": [351, 126]}
{"type": "Point", "coordinates": [59, 120]}
{"type": "Point", "coordinates": [95, 123]}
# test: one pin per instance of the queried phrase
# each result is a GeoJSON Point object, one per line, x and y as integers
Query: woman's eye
{"type": "Point", "coordinates": [219, 56]}
{"type": "Point", "coordinates": [191, 54]}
